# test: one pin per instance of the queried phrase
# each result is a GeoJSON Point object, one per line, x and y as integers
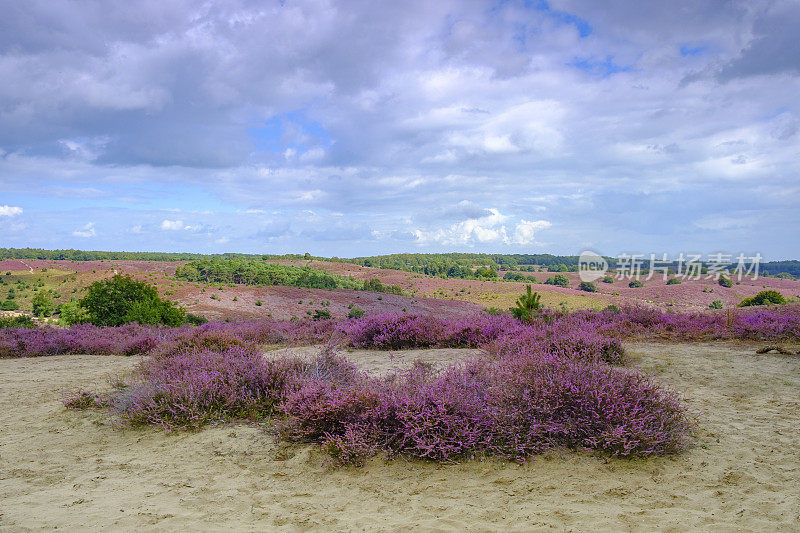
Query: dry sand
{"type": "Point", "coordinates": [70, 470]}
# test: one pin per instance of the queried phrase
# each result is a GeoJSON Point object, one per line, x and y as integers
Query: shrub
{"type": "Point", "coordinates": [608, 279]}
{"type": "Point", "coordinates": [559, 280]}
{"type": "Point", "coordinates": [764, 298]}
{"type": "Point", "coordinates": [17, 322]}
{"type": "Point", "coordinates": [587, 286]}
{"type": "Point", "coordinates": [674, 281]}
{"type": "Point", "coordinates": [716, 304]}
{"type": "Point", "coordinates": [9, 305]}
{"type": "Point", "coordinates": [725, 282]}
{"type": "Point", "coordinates": [43, 304]}
{"type": "Point", "coordinates": [259, 303]}
{"type": "Point", "coordinates": [195, 320]}
{"type": "Point", "coordinates": [122, 299]}
{"type": "Point", "coordinates": [321, 314]}
{"type": "Point", "coordinates": [376, 285]}
{"type": "Point", "coordinates": [356, 312]}
{"type": "Point", "coordinates": [72, 313]}
{"type": "Point", "coordinates": [635, 284]}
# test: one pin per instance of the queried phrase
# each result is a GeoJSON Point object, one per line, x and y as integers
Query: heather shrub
{"type": "Point", "coordinates": [674, 281]}
{"type": "Point", "coordinates": [511, 407]}
{"type": "Point", "coordinates": [635, 284]}
{"type": "Point", "coordinates": [352, 448]}
{"type": "Point", "coordinates": [716, 304]}
{"type": "Point", "coordinates": [191, 389]}
{"type": "Point", "coordinates": [608, 279]}
{"type": "Point", "coordinates": [388, 331]}
{"type": "Point", "coordinates": [82, 399]}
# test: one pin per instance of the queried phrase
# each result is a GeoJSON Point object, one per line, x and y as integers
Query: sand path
{"type": "Point", "coordinates": [62, 469]}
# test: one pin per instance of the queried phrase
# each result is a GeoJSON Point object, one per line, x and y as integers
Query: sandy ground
{"type": "Point", "coordinates": [70, 470]}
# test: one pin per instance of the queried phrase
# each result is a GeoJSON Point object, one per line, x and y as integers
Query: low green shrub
{"type": "Point", "coordinates": [587, 286]}
{"type": "Point", "coordinates": [764, 298]}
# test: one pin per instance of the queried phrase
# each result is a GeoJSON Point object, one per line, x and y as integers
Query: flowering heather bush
{"type": "Point", "coordinates": [191, 389]}
{"type": "Point", "coordinates": [512, 408]}
{"type": "Point", "coordinates": [87, 339]}
{"type": "Point", "coordinates": [83, 399]}
{"type": "Point", "coordinates": [132, 339]}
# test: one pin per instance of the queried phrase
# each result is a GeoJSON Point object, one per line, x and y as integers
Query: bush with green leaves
{"type": "Point", "coordinates": [17, 322]}
{"type": "Point", "coordinates": [674, 281]}
{"type": "Point", "coordinates": [9, 305]}
{"type": "Point", "coordinates": [72, 313]}
{"type": "Point", "coordinates": [608, 279]}
{"type": "Point", "coordinates": [725, 282]}
{"type": "Point", "coordinates": [122, 299]}
{"type": "Point", "coordinates": [559, 280]}
{"type": "Point", "coordinates": [356, 312]}
{"type": "Point", "coordinates": [587, 286]}
{"type": "Point", "coordinates": [43, 303]}
{"type": "Point", "coordinates": [635, 284]}
{"type": "Point", "coordinates": [195, 320]}
{"type": "Point", "coordinates": [321, 314]}
{"type": "Point", "coordinates": [716, 304]}
{"type": "Point", "coordinates": [764, 298]}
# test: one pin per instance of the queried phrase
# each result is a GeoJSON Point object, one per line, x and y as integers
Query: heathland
{"type": "Point", "coordinates": [451, 391]}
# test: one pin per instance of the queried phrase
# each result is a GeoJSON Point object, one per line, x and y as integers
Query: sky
{"type": "Point", "coordinates": [356, 128]}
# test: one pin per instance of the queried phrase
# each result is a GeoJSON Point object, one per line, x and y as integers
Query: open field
{"type": "Point", "coordinates": [65, 469]}
{"type": "Point", "coordinates": [424, 294]}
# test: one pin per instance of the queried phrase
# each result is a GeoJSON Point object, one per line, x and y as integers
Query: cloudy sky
{"type": "Point", "coordinates": [355, 128]}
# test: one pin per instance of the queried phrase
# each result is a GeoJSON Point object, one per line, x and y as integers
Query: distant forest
{"type": "Point", "coordinates": [451, 265]}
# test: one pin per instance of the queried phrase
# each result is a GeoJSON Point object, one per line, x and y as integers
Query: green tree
{"type": "Point", "coordinates": [527, 306]}
{"type": "Point", "coordinates": [122, 299]}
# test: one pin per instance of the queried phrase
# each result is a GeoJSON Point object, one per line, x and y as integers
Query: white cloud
{"type": "Point", "coordinates": [488, 229]}
{"type": "Point", "coordinates": [85, 231]}
{"type": "Point", "coordinates": [525, 232]}
{"type": "Point", "coordinates": [10, 211]}
{"type": "Point", "coordinates": [172, 225]}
